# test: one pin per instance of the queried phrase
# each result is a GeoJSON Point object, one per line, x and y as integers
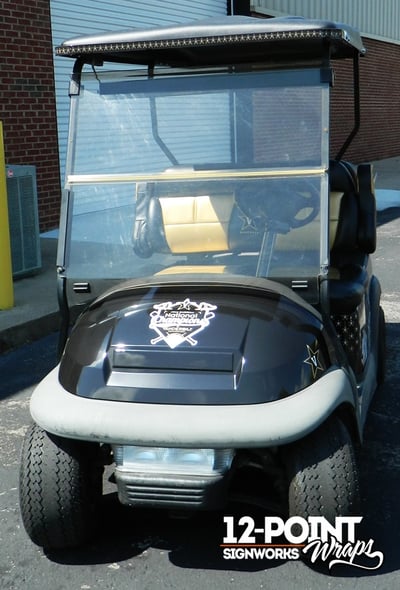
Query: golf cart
{"type": "Point", "coordinates": [214, 263]}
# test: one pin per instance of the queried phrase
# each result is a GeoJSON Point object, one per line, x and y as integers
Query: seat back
{"type": "Point", "coordinates": [197, 223]}
{"type": "Point", "coordinates": [343, 186]}
{"type": "Point", "coordinates": [355, 239]}
{"type": "Point", "coordinates": [356, 218]}
{"type": "Point", "coordinates": [172, 221]}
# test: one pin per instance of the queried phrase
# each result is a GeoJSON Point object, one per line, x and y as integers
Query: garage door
{"type": "Point", "coordinates": [72, 18]}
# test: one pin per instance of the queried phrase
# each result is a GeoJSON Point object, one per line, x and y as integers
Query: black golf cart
{"type": "Point", "coordinates": [215, 264]}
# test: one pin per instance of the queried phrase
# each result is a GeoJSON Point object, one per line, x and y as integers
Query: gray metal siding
{"type": "Point", "coordinates": [72, 18]}
{"type": "Point", "coordinates": [375, 18]}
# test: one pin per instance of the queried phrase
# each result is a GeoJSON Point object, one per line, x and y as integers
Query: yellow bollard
{"type": "Point", "coordinates": [6, 278]}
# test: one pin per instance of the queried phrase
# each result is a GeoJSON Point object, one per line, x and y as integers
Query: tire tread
{"type": "Point", "coordinates": [57, 493]}
{"type": "Point", "coordinates": [323, 476]}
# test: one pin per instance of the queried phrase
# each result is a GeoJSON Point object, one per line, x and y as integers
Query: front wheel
{"type": "Point", "coordinates": [322, 471]}
{"type": "Point", "coordinates": [60, 486]}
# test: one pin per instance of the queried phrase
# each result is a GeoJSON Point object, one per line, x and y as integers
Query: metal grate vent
{"type": "Point", "coordinates": [24, 220]}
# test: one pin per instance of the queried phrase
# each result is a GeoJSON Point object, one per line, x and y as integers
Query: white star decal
{"type": "Point", "coordinates": [313, 361]}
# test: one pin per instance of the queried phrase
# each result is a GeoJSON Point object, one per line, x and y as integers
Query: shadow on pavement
{"type": "Point", "coordinates": [27, 365]}
{"type": "Point", "coordinates": [388, 215]}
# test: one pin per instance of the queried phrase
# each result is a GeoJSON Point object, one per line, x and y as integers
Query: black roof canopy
{"type": "Point", "coordinates": [220, 41]}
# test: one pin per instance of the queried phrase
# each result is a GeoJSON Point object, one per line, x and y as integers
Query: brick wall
{"type": "Point", "coordinates": [379, 134]}
{"type": "Point", "coordinates": [27, 100]}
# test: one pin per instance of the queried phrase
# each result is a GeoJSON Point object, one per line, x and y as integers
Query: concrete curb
{"type": "Point", "coordinates": [15, 336]}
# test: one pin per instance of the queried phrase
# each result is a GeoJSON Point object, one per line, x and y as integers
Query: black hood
{"type": "Point", "coordinates": [203, 345]}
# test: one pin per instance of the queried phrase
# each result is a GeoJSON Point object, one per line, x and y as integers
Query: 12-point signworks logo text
{"type": "Point", "coordinates": [314, 537]}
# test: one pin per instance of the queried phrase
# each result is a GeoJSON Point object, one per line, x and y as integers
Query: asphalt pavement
{"type": "Point", "coordinates": [35, 313]}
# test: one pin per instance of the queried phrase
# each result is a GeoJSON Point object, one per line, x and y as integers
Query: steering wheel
{"type": "Point", "coordinates": [300, 202]}
{"type": "Point", "coordinates": [281, 207]}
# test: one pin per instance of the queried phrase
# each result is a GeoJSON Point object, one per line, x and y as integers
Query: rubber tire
{"type": "Point", "coordinates": [60, 486]}
{"type": "Point", "coordinates": [323, 475]}
{"type": "Point", "coordinates": [381, 349]}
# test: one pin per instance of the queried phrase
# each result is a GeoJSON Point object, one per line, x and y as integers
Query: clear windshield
{"type": "Point", "coordinates": [217, 173]}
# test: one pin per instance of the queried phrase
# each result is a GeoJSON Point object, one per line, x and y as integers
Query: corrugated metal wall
{"type": "Point", "coordinates": [377, 18]}
{"type": "Point", "coordinates": [71, 18]}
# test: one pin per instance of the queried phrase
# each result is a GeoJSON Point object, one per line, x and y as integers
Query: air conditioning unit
{"type": "Point", "coordinates": [24, 219]}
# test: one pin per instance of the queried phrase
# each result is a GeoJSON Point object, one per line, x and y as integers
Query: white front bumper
{"type": "Point", "coordinates": [219, 426]}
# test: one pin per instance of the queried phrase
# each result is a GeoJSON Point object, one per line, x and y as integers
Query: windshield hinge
{"type": "Point", "coordinates": [300, 284]}
{"type": "Point", "coordinates": [81, 288]}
